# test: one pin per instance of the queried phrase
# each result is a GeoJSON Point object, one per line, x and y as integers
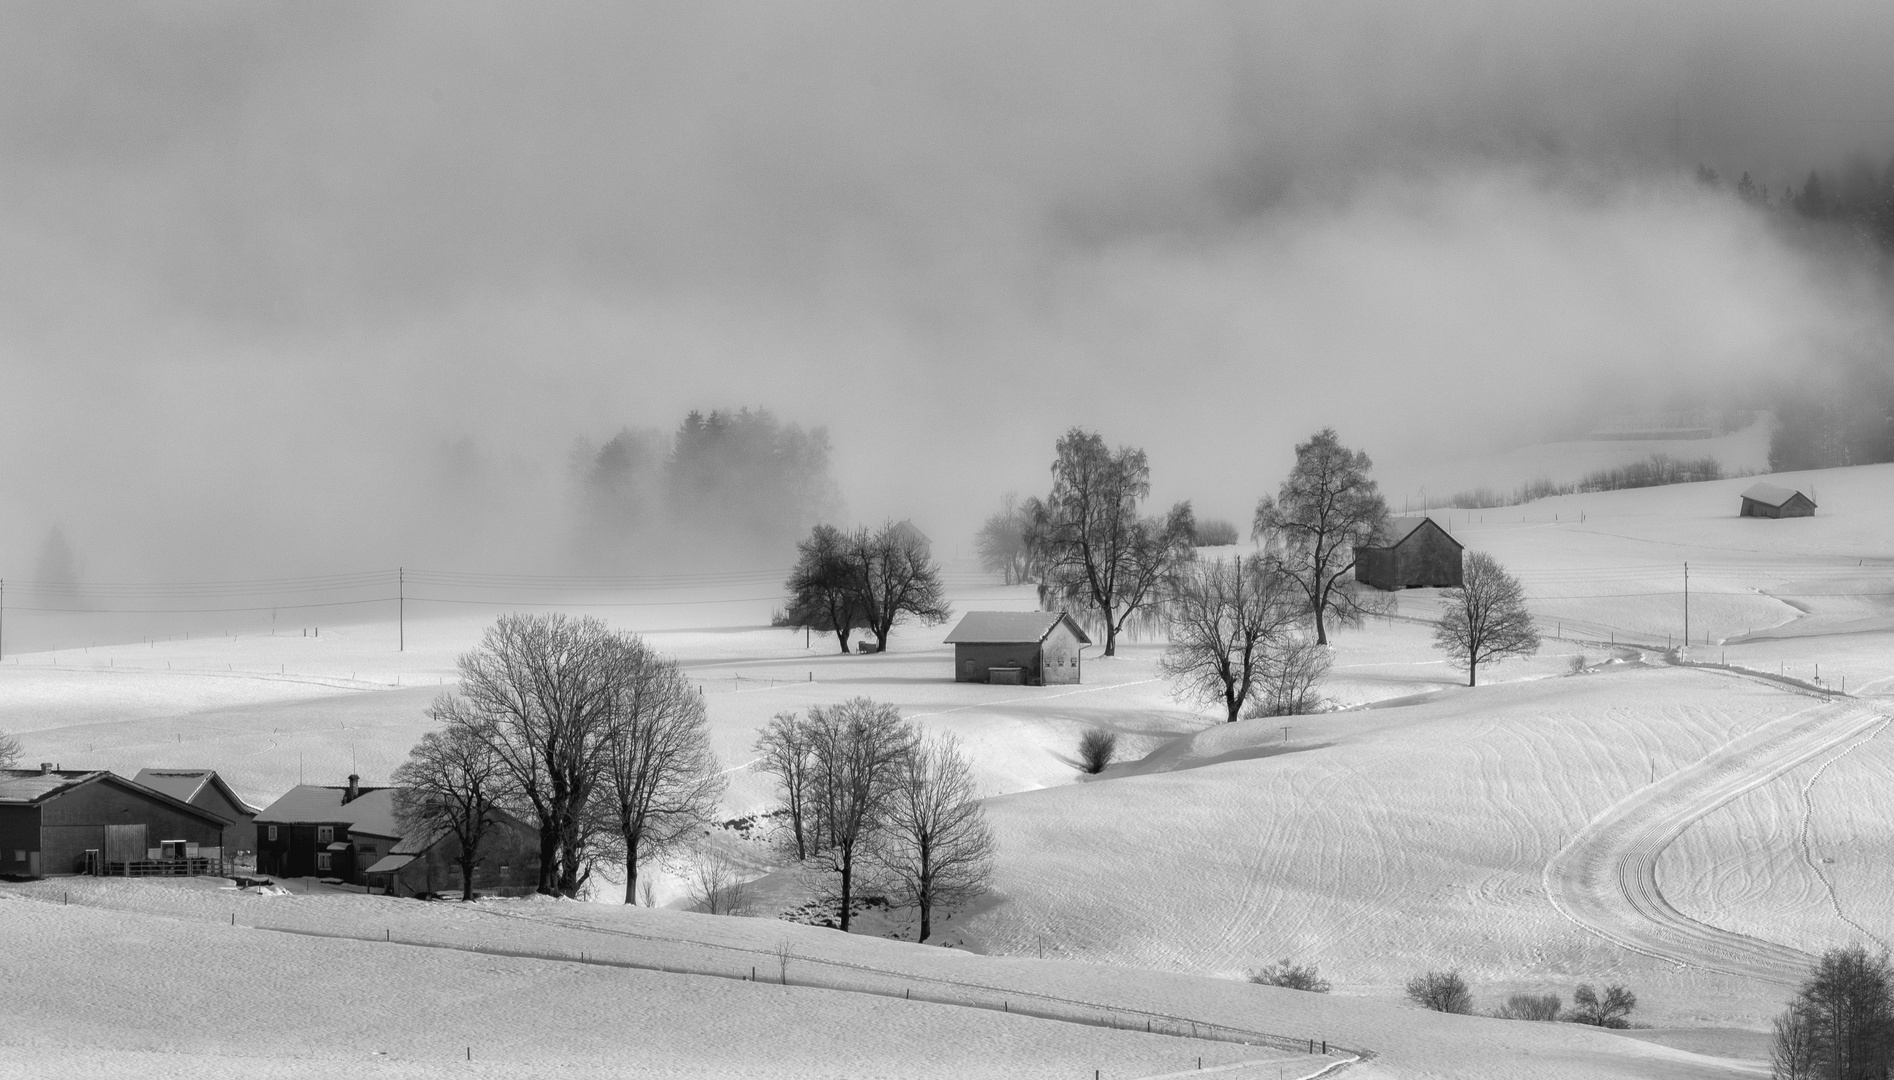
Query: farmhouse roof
{"type": "Point", "coordinates": [1772, 494]}
{"type": "Point", "coordinates": [1399, 529]}
{"type": "Point", "coordinates": [185, 784]}
{"type": "Point", "coordinates": [26, 787]}
{"type": "Point", "coordinates": [1011, 627]}
{"type": "Point", "coordinates": [373, 811]}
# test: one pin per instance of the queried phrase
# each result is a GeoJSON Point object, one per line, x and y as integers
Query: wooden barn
{"type": "Point", "coordinates": [62, 821]}
{"type": "Point", "coordinates": [1771, 501]}
{"type": "Point", "coordinates": [420, 866]}
{"type": "Point", "coordinates": [1416, 553]}
{"type": "Point", "coordinates": [1029, 648]}
{"type": "Point", "coordinates": [204, 789]}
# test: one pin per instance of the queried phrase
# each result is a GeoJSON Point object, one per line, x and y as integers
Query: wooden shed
{"type": "Point", "coordinates": [1772, 501]}
{"type": "Point", "coordinates": [1415, 553]}
{"type": "Point", "coordinates": [61, 821]}
{"type": "Point", "coordinates": [1029, 648]}
{"type": "Point", "coordinates": [204, 789]}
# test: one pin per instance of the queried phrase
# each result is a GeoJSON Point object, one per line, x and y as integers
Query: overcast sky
{"type": "Point", "coordinates": [265, 263]}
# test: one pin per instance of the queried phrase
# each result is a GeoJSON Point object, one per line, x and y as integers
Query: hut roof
{"type": "Point", "coordinates": [185, 784]}
{"type": "Point", "coordinates": [1773, 494]}
{"type": "Point", "coordinates": [1011, 627]}
{"type": "Point", "coordinates": [1399, 529]}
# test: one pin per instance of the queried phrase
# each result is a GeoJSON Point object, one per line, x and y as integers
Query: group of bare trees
{"type": "Point", "coordinates": [870, 581]}
{"type": "Point", "coordinates": [580, 730]}
{"type": "Point", "coordinates": [1841, 1023]}
{"type": "Point", "coordinates": [867, 796]}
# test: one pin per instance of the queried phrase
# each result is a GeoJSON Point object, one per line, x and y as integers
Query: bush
{"type": "Point", "coordinates": [1607, 1011]}
{"type": "Point", "coordinates": [1291, 977]}
{"type": "Point", "coordinates": [1441, 991]}
{"type": "Point", "coordinates": [1215, 533]}
{"type": "Point", "coordinates": [1096, 749]}
{"type": "Point", "coordinates": [1529, 1007]}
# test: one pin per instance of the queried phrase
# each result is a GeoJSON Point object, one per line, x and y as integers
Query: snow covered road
{"type": "Point", "coordinates": [1605, 878]}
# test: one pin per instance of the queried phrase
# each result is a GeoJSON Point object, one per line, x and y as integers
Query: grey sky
{"type": "Point", "coordinates": [266, 261]}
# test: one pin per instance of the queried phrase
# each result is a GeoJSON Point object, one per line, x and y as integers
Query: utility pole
{"type": "Point", "coordinates": [1686, 649]}
{"type": "Point", "coordinates": [401, 608]}
{"type": "Point", "coordinates": [3, 618]}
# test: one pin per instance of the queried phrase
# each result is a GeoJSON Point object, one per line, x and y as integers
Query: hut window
{"type": "Point", "coordinates": [322, 861]}
{"type": "Point", "coordinates": [325, 834]}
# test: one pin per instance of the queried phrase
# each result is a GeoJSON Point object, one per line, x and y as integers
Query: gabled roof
{"type": "Point", "coordinates": [372, 812]}
{"type": "Point", "coordinates": [29, 787]}
{"type": "Point", "coordinates": [1399, 529]}
{"type": "Point", "coordinates": [388, 864]}
{"type": "Point", "coordinates": [1772, 494]}
{"type": "Point", "coordinates": [185, 784]}
{"type": "Point", "coordinates": [1011, 627]}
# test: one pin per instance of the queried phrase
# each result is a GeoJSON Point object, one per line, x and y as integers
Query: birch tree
{"type": "Point", "coordinates": [856, 748]}
{"type": "Point", "coordinates": [1324, 511]}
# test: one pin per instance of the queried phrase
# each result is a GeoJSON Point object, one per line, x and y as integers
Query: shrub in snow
{"type": "Point", "coordinates": [1529, 1007]}
{"type": "Point", "coordinates": [1441, 991]}
{"type": "Point", "coordinates": [1609, 1010]}
{"type": "Point", "coordinates": [1292, 977]}
{"type": "Point", "coordinates": [1096, 749]}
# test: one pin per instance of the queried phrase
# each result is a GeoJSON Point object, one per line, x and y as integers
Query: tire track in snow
{"type": "Point", "coordinates": [1605, 878]}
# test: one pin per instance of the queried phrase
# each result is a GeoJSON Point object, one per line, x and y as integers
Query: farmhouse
{"type": "Point", "coordinates": [1770, 501]}
{"type": "Point", "coordinates": [1415, 553]}
{"type": "Point", "coordinates": [63, 821]}
{"type": "Point", "coordinates": [1032, 648]}
{"type": "Point", "coordinates": [349, 834]}
{"type": "Point", "coordinates": [509, 862]}
{"type": "Point", "coordinates": [204, 789]}
{"type": "Point", "coordinates": [326, 832]}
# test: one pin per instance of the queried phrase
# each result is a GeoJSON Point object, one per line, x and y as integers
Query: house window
{"type": "Point", "coordinates": [325, 834]}
{"type": "Point", "coordinates": [368, 849]}
{"type": "Point", "coordinates": [19, 856]}
{"type": "Point", "coordinates": [322, 860]}
{"type": "Point", "coordinates": [272, 832]}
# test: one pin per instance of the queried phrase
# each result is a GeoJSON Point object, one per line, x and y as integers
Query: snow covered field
{"type": "Point", "coordinates": [1596, 814]}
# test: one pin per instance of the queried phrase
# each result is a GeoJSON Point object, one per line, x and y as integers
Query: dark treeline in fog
{"type": "Point", "coordinates": [724, 488]}
{"type": "Point", "coordinates": [1844, 413]}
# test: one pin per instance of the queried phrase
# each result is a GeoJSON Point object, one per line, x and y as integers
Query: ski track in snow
{"type": "Point", "coordinates": [1605, 878]}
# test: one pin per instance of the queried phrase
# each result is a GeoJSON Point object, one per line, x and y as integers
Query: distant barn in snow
{"type": "Point", "coordinates": [1031, 648]}
{"type": "Point", "coordinates": [1771, 501]}
{"type": "Point", "coordinates": [1415, 553]}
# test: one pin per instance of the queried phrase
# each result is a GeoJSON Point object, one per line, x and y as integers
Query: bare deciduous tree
{"type": "Point", "coordinates": [1097, 553]}
{"type": "Point", "coordinates": [661, 779]}
{"type": "Point", "coordinates": [783, 751]}
{"type": "Point", "coordinates": [9, 751]}
{"type": "Point", "coordinates": [822, 591]}
{"type": "Point", "coordinates": [451, 785]}
{"type": "Point", "coordinates": [1441, 991]}
{"type": "Point", "coordinates": [1841, 1023]}
{"type": "Point", "coordinates": [856, 748]}
{"type": "Point", "coordinates": [894, 578]}
{"type": "Point", "coordinates": [541, 689]}
{"type": "Point", "coordinates": [1228, 620]}
{"type": "Point", "coordinates": [716, 885]}
{"type": "Point", "coordinates": [1006, 541]}
{"type": "Point", "coordinates": [1291, 672]}
{"type": "Point", "coordinates": [1606, 1010]}
{"type": "Point", "coordinates": [1324, 511]}
{"type": "Point", "coordinates": [1486, 618]}
{"type": "Point", "coordinates": [935, 845]}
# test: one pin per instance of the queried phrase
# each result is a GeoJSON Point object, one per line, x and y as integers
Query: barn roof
{"type": "Point", "coordinates": [373, 811]}
{"type": "Point", "coordinates": [26, 787]}
{"type": "Point", "coordinates": [1398, 530]}
{"type": "Point", "coordinates": [388, 864]}
{"type": "Point", "coordinates": [1011, 627]}
{"type": "Point", "coordinates": [1773, 494]}
{"type": "Point", "coordinates": [185, 784]}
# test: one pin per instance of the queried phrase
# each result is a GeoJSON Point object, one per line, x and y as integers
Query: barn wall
{"type": "Point", "coordinates": [75, 820]}
{"type": "Point", "coordinates": [19, 831]}
{"type": "Point", "coordinates": [1059, 656]}
{"type": "Point", "coordinates": [1426, 559]}
{"type": "Point", "coordinates": [971, 660]}
{"type": "Point", "coordinates": [241, 833]}
{"type": "Point", "coordinates": [1375, 566]}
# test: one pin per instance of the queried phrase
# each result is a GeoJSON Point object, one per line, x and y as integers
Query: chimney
{"type": "Point", "coordinates": [45, 768]}
{"type": "Point", "coordinates": [355, 790]}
